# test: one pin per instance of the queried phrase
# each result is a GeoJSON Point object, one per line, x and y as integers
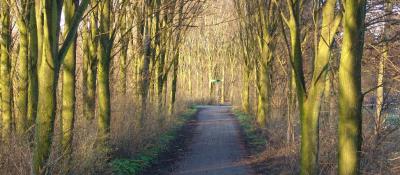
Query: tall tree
{"type": "Point", "coordinates": [176, 50]}
{"type": "Point", "coordinates": [247, 42]}
{"type": "Point", "coordinates": [22, 9]}
{"type": "Point", "coordinates": [266, 26]}
{"type": "Point", "coordinates": [32, 68]}
{"type": "Point", "coordinates": [5, 67]}
{"type": "Point", "coordinates": [106, 38]}
{"type": "Point", "coordinates": [90, 43]}
{"type": "Point", "coordinates": [174, 83]}
{"type": "Point", "coordinates": [147, 9]}
{"type": "Point", "coordinates": [380, 99]}
{"type": "Point", "coordinates": [124, 34]}
{"type": "Point", "coordinates": [163, 37]}
{"type": "Point", "coordinates": [350, 97]}
{"type": "Point", "coordinates": [48, 17]}
{"type": "Point", "coordinates": [309, 100]}
{"type": "Point", "coordinates": [68, 85]}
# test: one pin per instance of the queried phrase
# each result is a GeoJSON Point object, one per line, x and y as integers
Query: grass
{"type": "Point", "coordinates": [269, 153]}
{"type": "Point", "coordinates": [253, 135]}
{"type": "Point", "coordinates": [149, 156]}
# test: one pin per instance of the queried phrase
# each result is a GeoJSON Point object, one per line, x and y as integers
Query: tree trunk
{"type": "Point", "coordinates": [6, 89]}
{"type": "Point", "coordinates": [32, 69]}
{"type": "Point", "coordinates": [49, 57]}
{"type": "Point", "coordinates": [174, 84]}
{"type": "Point", "coordinates": [47, 81]}
{"type": "Point", "coordinates": [246, 92]}
{"type": "Point", "coordinates": [90, 44]}
{"type": "Point", "coordinates": [309, 102]}
{"type": "Point", "coordinates": [381, 72]}
{"type": "Point", "coordinates": [103, 70]}
{"type": "Point", "coordinates": [291, 104]}
{"type": "Point", "coordinates": [264, 103]}
{"type": "Point", "coordinates": [350, 97]}
{"type": "Point", "coordinates": [190, 89]}
{"type": "Point", "coordinates": [124, 54]}
{"type": "Point", "coordinates": [147, 53]}
{"type": "Point", "coordinates": [68, 88]}
{"type": "Point", "coordinates": [232, 81]}
{"type": "Point", "coordinates": [21, 82]}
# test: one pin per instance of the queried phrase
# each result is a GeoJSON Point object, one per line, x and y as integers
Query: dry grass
{"type": "Point", "coordinates": [280, 157]}
{"type": "Point", "coordinates": [15, 157]}
{"type": "Point", "coordinates": [125, 141]}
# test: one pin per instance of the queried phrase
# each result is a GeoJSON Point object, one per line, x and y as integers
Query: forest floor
{"type": "Point", "coordinates": [209, 145]}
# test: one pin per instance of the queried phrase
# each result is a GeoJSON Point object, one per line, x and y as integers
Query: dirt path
{"type": "Point", "coordinates": [216, 147]}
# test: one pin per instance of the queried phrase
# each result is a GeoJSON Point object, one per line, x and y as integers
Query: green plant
{"type": "Point", "coordinates": [149, 156]}
{"type": "Point", "coordinates": [251, 132]}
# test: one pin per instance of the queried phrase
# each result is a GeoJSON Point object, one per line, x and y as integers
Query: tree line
{"type": "Point", "coordinates": [316, 43]}
{"type": "Point", "coordinates": [39, 57]}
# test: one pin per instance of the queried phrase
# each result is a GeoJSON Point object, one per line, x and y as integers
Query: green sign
{"type": "Point", "coordinates": [216, 81]}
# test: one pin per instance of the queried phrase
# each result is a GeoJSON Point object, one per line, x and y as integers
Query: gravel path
{"type": "Point", "coordinates": [216, 147]}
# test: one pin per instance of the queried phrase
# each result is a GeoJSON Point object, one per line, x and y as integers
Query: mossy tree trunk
{"type": "Point", "coordinates": [147, 51]}
{"type": "Point", "coordinates": [291, 104]}
{"type": "Point", "coordinates": [309, 100]}
{"type": "Point", "coordinates": [47, 30]}
{"type": "Point", "coordinates": [246, 91]}
{"type": "Point", "coordinates": [124, 34]}
{"type": "Point", "coordinates": [267, 33]}
{"type": "Point", "coordinates": [32, 69]}
{"type": "Point", "coordinates": [176, 51]}
{"type": "Point", "coordinates": [68, 86]}
{"type": "Point", "coordinates": [21, 81]}
{"type": "Point", "coordinates": [264, 99]}
{"type": "Point", "coordinates": [5, 67]}
{"type": "Point", "coordinates": [49, 59]}
{"type": "Point", "coordinates": [312, 105]}
{"type": "Point", "coordinates": [103, 71]}
{"type": "Point", "coordinates": [174, 84]}
{"type": "Point", "coordinates": [90, 43]}
{"type": "Point", "coordinates": [350, 97]}
{"type": "Point", "coordinates": [247, 44]}
{"type": "Point", "coordinates": [232, 79]}
{"type": "Point", "coordinates": [140, 24]}
{"type": "Point", "coordinates": [163, 37]}
{"type": "Point", "coordinates": [161, 75]}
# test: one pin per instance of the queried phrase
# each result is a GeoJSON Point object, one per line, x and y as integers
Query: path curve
{"type": "Point", "coordinates": [216, 147]}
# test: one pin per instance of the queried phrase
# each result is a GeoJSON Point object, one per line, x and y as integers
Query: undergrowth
{"type": "Point", "coordinates": [149, 156]}
{"type": "Point", "coordinates": [267, 153]}
{"type": "Point", "coordinates": [253, 135]}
